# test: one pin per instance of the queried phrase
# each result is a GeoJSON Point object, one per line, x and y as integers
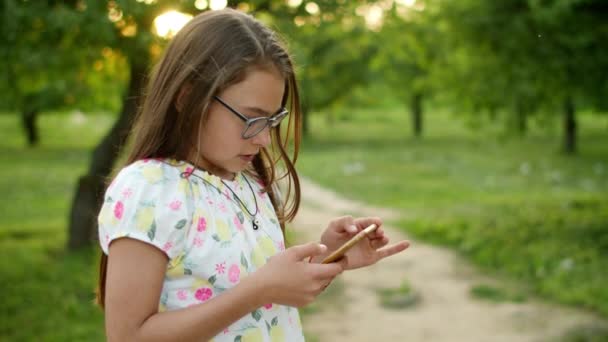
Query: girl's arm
{"type": "Point", "coordinates": [134, 282]}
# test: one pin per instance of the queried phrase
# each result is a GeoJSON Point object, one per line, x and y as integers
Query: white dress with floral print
{"type": "Point", "coordinates": [206, 235]}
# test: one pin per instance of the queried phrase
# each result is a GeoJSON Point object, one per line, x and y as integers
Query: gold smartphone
{"type": "Point", "coordinates": [339, 253]}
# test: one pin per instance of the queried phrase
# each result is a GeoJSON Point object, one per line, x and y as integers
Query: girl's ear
{"type": "Point", "coordinates": [180, 101]}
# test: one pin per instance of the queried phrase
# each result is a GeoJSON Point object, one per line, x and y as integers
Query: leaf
{"type": "Point", "coordinates": [241, 216]}
{"type": "Point", "coordinates": [152, 231]}
{"type": "Point", "coordinates": [275, 321]}
{"type": "Point", "coordinates": [257, 315]}
{"type": "Point", "coordinates": [267, 326]}
{"type": "Point", "coordinates": [216, 238]}
{"type": "Point", "coordinates": [187, 271]}
{"type": "Point", "coordinates": [238, 338]}
{"type": "Point", "coordinates": [212, 279]}
{"type": "Point", "coordinates": [180, 224]}
{"type": "Point", "coordinates": [244, 261]}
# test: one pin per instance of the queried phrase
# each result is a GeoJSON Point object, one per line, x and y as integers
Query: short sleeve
{"type": "Point", "coordinates": [146, 201]}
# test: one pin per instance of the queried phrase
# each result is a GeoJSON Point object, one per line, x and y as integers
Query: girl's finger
{"type": "Point", "coordinates": [392, 249]}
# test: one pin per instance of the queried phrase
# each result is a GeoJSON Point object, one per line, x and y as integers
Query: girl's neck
{"type": "Point", "coordinates": [203, 164]}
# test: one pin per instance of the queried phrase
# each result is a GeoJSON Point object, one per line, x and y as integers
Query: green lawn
{"type": "Point", "coordinates": [515, 206]}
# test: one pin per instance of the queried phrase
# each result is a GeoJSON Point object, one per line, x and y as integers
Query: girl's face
{"type": "Point", "coordinates": [223, 151]}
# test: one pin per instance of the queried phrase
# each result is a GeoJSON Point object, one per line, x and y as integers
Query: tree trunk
{"type": "Point", "coordinates": [416, 112]}
{"type": "Point", "coordinates": [29, 120]}
{"type": "Point", "coordinates": [89, 193]}
{"type": "Point", "coordinates": [569, 127]}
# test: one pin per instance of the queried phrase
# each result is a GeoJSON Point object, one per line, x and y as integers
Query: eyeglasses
{"type": "Point", "coordinates": [254, 126]}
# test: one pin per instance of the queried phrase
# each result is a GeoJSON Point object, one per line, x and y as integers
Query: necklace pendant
{"type": "Point", "coordinates": [255, 225]}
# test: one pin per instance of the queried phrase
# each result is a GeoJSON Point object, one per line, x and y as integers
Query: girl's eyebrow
{"type": "Point", "coordinates": [262, 111]}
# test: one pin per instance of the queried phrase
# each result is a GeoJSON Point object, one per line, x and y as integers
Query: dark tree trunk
{"type": "Point", "coordinates": [416, 112]}
{"type": "Point", "coordinates": [89, 192]}
{"type": "Point", "coordinates": [29, 122]}
{"type": "Point", "coordinates": [569, 127]}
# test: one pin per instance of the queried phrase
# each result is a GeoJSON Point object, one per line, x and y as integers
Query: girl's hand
{"type": "Point", "coordinates": [289, 279]}
{"type": "Point", "coordinates": [368, 251]}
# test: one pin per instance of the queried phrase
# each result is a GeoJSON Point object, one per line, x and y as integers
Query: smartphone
{"type": "Point", "coordinates": [339, 253]}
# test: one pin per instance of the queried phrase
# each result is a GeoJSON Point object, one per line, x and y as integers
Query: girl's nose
{"type": "Point", "coordinates": [262, 139]}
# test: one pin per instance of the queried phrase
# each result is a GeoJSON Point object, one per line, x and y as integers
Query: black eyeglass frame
{"type": "Point", "coordinates": [272, 121]}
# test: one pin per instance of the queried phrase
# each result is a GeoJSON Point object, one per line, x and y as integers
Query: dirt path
{"type": "Point", "coordinates": [350, 309]}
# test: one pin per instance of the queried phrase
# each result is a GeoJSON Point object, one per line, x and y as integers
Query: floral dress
{"type": "Point", "coordinates": [194, 219]}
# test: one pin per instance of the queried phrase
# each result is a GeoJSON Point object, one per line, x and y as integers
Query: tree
{"type": "Point", "coordinates": [535, 54]}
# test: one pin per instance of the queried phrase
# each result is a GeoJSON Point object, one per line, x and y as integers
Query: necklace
{"type": "Point", "coordinates": [252, 215]}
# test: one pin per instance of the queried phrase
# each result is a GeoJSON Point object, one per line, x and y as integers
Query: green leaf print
{"type": "Point", "coordinates": [216, 238]}
{"type": "Point", "coordinates": [268, 326]}
{"type": "Point", "coordinates": [212, 279]}
{"type": "Point", "coordinates": [180, 224]}
{"type": "Point", "coordinates": [152, 231]}
{"type": "Point", "coordinates": [275, 321]}
{"type": "Point", "coordinates": [187, 271]}
{"type": "Point", "coordinates": [244, 261]}
{"type": "Point", "coordinates": [241, 216]}
{"type": "Point", "coordinates": [257, 315]}
{"type": "Point", "coordinates": [238, 338]}
{"type": "Point", "coordinates": [273, 221]}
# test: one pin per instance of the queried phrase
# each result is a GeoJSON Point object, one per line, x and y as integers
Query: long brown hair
{"type": "Point", "coordinates": [210, 53]}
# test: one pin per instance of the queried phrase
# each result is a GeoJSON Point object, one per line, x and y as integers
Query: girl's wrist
{"type": "Point", "coordinates": [257, 285]}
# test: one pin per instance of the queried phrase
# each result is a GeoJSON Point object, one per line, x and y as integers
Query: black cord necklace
{"type": "Point", "coordinates": [254, 221]}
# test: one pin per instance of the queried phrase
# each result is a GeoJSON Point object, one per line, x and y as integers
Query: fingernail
{"type": "Point", "coordinates": [352, 229]}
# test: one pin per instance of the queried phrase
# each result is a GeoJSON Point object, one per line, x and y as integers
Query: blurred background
{"type": "Point", "coordinates": [484, 122]}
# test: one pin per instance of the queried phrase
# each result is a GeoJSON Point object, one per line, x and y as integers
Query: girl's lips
{"type": "Point", "coordinates": [247, 157]}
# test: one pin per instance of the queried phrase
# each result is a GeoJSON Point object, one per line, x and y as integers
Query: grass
{"type": "Point", "coordinates": [516, 206]}
{"type": "Point", "coordinates": [47, 293]}
{"type": "Point", "coordinates": [398, 298]}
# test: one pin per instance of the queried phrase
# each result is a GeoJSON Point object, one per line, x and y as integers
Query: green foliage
{"type": "Point", "coordinates": [496, 294]}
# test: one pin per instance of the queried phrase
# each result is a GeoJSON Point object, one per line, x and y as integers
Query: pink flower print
{"type": "Point", "coordinates": [268, 306]}
{"type": "Point", "coordinates": [226, 331]}
{"type": "Point", "coordinates": [119, 208]}
{"type": "Point", "coordinates": [189, 171]}
{"type": "Point", "coordinates": [182, 295]}
{"type": "Point", "coordinates": [220, 268]}
{"type": "Point", "coordinates": [175, 205]}
{"type": "Point", "coordinates": [227, 194]}
{"type": "Point", "coordinates": [202, 224]}
{"type": "Point", "coordinates": [237, 223]}
{"type": "Point", "coordinates": [167, 246]}
{"type": "Point", "coordinates": [281, 246]}
{"type": "Point", "coordinates": [209, 201]}
{"type": "Point", "coordinates": [223, 207]}
{"type": "Point", "coordinates": [126, 193]}
{"type": "Point", "coordinates": [198, 242]}
{"type": "Point", "coordinates": [203, 294]}
{"type": "Point", "coordinates": [234, 273]}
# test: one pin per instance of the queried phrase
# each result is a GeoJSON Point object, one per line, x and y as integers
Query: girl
{"type": "Point", "coordinates": [192, 228]}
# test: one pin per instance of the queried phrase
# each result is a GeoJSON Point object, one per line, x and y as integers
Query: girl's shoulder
{"type": "Point", "coordinates": [151, 171]}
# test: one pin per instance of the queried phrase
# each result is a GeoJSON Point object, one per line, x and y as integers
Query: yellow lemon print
{"type": "Point", "coordinates": [268, 246]}
{"type": "Point", "coordinates": [200, 283]}
{"type": "Point", "coordinates": [253, 335]}
{"type": "Point", "coordinates": [222, 230]}
{"type": "Point", "coordinates": [152, 173]}
{"type": "Point", "coordinates": [277, 334]}
{"type": "Point", "coordinates": [257, 257]}
{"type": "Point", "coordinates": [176, 267]}
{"type": "Point", "coordinates": [145, 217]}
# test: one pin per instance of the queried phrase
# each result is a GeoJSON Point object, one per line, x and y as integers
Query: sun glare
{"type": "Point", "coordinates": [169, 23]}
